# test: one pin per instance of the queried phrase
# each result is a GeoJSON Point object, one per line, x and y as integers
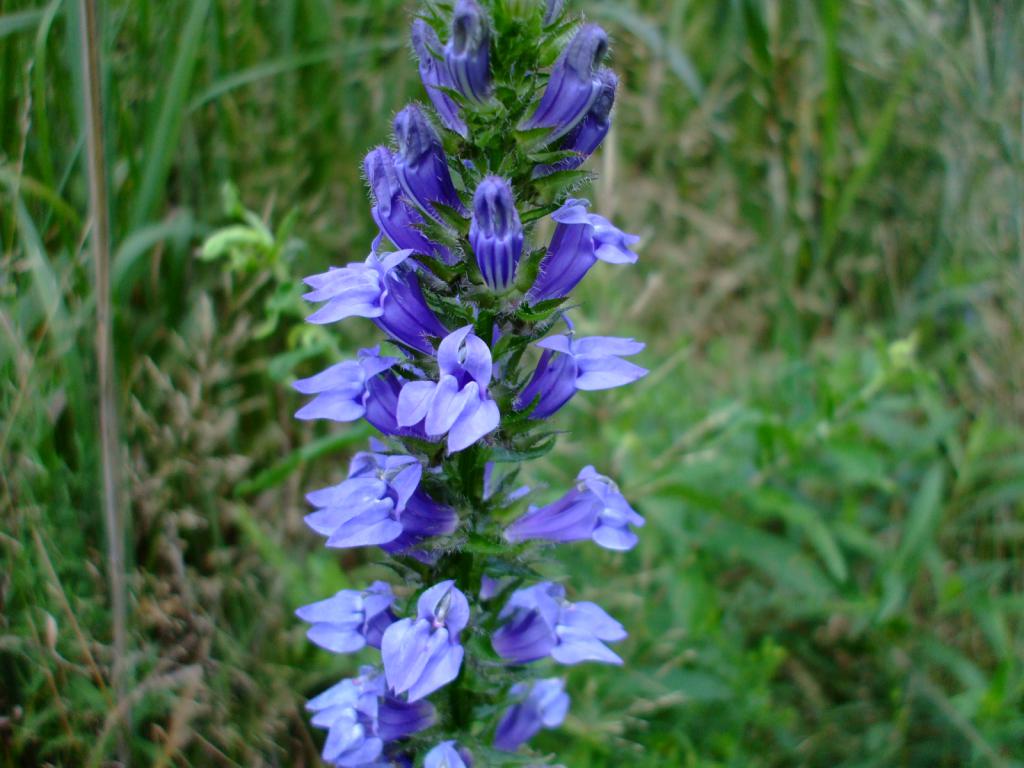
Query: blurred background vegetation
{"type": "Point", "coordinates": [829, 449]}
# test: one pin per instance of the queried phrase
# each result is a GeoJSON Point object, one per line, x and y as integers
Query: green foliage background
{"type": "Point", "coordinates": [829, 449]}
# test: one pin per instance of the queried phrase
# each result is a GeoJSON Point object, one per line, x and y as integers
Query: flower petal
{"type": "Point", "coordinates": [443, 667]}
{"type": "Point", "coordinates": [365, 531]}
{"type": "Point", "coordinates": [404, 651]}
{"type": "Point", "coordinates": [336, 638]}
{"type": "Point", "coordinates": [398, 719]}
{"type": "Point", "coordinates": [447, 404]}
{"type": "Point", "coordinates": [332, 406]}
{"type": "Point", "coordinates": [578, 645]}
{"type": "Point", "coordinates": [618, 539]}
{"type": "Point", "coordinates": [603, 346]}
{"type": "Point", "coordinates": [347, 376]}
{"type": "Point", "coordinates": [477, 361]}
{"type": "Point", "coordinates": [524, 639]}
{"type": "Point", "coordinates": [344, 607]}
{"type": "Point", "coordinates": [593, 618]}
{"type": "Point", "coordinates": [414, 401]}
{"type": "Point", "coordinates": [448, 350]}
{"type": "Point", "coordinates": [354, 491]}
{"type": "Point", "coordinates": [473, 424]}
{"type": "Point", "coordinates": [606, 373]}
{"type": "Point", "coordinates": [560, 521]}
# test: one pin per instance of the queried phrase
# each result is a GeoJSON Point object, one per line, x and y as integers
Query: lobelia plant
{"type": "Point", "coordinates": [480, 355]}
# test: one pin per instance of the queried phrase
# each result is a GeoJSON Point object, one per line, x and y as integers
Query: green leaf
{"type": "Point", "coordinates": [532, 137]}
{"type": "Point", "coordinates": [452, 218]}
{"type": "Point", "coordinates": [809, 522]}
{"type": "Point", "coordinates": [560, 182]}
{"type": "Point", "coordinates": [534, 448]}
{"type": "Point", "coordinates": [225, 241]}
{"type": "Point", "coordinates": [480, 545]}
{"type": "Point", "coordinates": [128, 261]}
{"type": "Point", "coordinates": [542, 310]}
{"type": "Point", "coordinates": [781, 560]}
{"type": "Point", "coordinates": [538, 213]}
{"type": "Point", "coordinates": [924, 518]}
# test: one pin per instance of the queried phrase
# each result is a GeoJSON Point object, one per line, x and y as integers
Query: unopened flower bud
{"type": "Point", "coordinates": [496, 233]}
{"type": "Point", "coordinates": [590, 131]}
{"type": "Point", "coordinates": [396, 219]}
{"type": "Point", "coordinates": [420, 164]}
{"type": "Point", "coordinates": [574, 84]}
{"type": "Point", "coordinates": [435, 76]}
{"type": "Point", "coordinates": [467, 54]}
{"type": "Point", "coordinates": [553, 11]}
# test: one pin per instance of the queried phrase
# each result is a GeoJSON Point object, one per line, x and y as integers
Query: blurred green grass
{"type": "Point", "coordinates": [828, 450]}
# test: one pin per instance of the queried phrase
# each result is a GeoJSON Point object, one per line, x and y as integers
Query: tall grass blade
{"type": "Point", "coordinates": [167, 129]}
{"type": "Point", "coordinates": [878, 141]}
{"type": "Point", "coordinates": [39, 79]}
{"type": "Point", "coordinates": [286, 64]}
{"type": "Point", "coordinates": [19, 21]}
{"type": "Point", "coordinates": [672, 52]}
{"type": "Point", "coordinates": [99, 214]}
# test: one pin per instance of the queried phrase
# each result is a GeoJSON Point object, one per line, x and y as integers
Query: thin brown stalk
{"type": "Point", "coordinates": [99, 214]}
{"type": "Point", "coordinates": [69, 614]}
{"type": "Point", "coordinates": [178, 732]}
{"type": "Point", "coordinates": [51, 683]}
{"type": "Point", "coordinates": [185, 677]}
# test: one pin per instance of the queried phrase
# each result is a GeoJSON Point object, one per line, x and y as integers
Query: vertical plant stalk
{"type": "Point", "coordinates": [99, 215]}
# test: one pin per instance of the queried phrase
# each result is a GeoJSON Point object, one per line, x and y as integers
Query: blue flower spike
{"type": "Point", "coordinates": [478, 248]}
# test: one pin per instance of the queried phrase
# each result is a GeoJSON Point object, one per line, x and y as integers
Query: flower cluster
{"type": "Point", "coordinates": [480, 354]}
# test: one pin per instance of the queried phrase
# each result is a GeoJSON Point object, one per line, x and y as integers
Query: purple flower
{"type": "Point", "coordinates": [573, 84]}
{"type": "Point", "coordinates": [421, 166]}
{"type": "Point", "coordinates": [458, 403]}
{"type": "Point", "coordinates": [421, 519]}
{"type": "Point", "coordinates": [358, 388]}
{"type": "Point", "coordinates": [383, 288]}
{"type": "Point", "coordinates": [350, 620]}
{"type": "Point", "coordinates": [594, 509]}
{"type": "Point", "coordinates": [542, 704]}
{"type": "Point", "coordinates": [590, 131]}
{"type": "Point", "coordinates": [467, 54]}
{"type": "Point", "coordinates": [392, 214]}
{"type": "Point", "coordinates": [423, 654]}
{"type": "Point", "coordinates": [491, 587]}
{"type": "Point", "coordinates": [435, 74]}
{"type": "Point", "coordinates": [381, 404]}
{"type": "Point", "coordinates": [580, 240]}
{"type": "Point", "coordinates": [553, 11]}
{"type": "Point", "coordinates": [341, 390]}
{"type": "Point", "coordinates": [540, 622]}
{"type": "Point", "coordinates": [496, 233]}
{"type": "Point", "coordinates": [448, 755]}
{"type": "Point", "coordinates": [379, 505]}
{"type": "Point", "coordinates": [360, 717]}
{"type": "Point", "coordinates": [569, 364]}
